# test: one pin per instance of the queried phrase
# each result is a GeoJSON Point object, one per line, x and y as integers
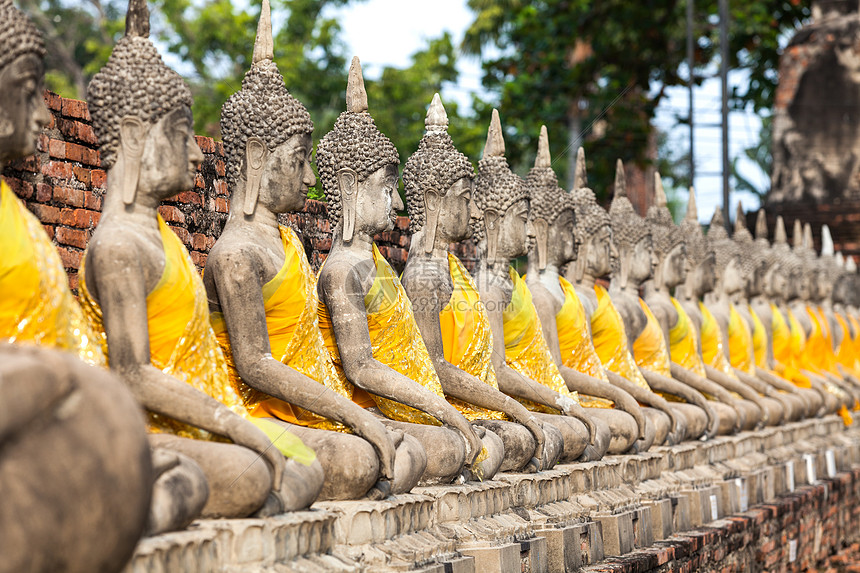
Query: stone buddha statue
{"type": "Point", "coordinates": [147, 303]}
{"type": "Point", "coordinates": [75, 468]}
{"type": "Point", "coordinates": [841, 303]}
{"type": "Point", "coordinates": [365, 315]}
{"type": "Point", "coordinates": [680, 332]}
{"type": "Point", "coordinates": [552, 212]}
{"type": "Point", "coordinates": [830, 273]}
{"type": "Point", "coordinates": [521, 358]}
{"type": "Point", "coordinates": [595, 251]}
{"type": "Point", "coordinates": [262, 294]}
{"type": "Point", "coordinates": [439, 181]}
{"type": "Point", "coordinates": [633, 265]}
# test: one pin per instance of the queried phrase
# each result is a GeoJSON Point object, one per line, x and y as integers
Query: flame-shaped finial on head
{"type": "Point", "coordinates": [839, 259]}
{"type": "Point", "coordinates": [717, 218]}
{"type": "Point", "coordinates": [717, 229]}
{"type": "Point", "coordinates": [740, 218]}
{"type": "Point", "coordinates": [264, 46]}
{"type": "Point", "coordinates": [543, 159]}
{"type": "Point", "coordinates": [580, 176]}
{"type": "Point", "coordinates": [356, 95]}
{"type": "Point", "coordinates": [437, 117]}
{"type": "Point", "coordinates": [137, 19]}
{"type": "Point", "coordinates": [495, 146]}
{"type": "Point", "coordinates": [850, 265]}
{"type": "Point", "coordinates": [797, 234]}
{"type": "Point", "coordinates": [659, 192]}
{"type": "Point", "coordinates": [620, 179]}
{"type": "Point", "coordinates": [826, 242]}
{"type": "Point", "coordinates": [780, 237]}
{"type": "Point", "coordinates": [761, 225]}
{"type": "Point", "coordinates": [807, 236]}
{"type": "Point", "coordinates": [692, 208]}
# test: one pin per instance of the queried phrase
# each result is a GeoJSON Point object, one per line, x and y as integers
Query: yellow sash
{"type": "Point", "coordinates": [36, 306]}
{"type": "Point", "coordinates": [682, 342]}
{"type": "Point", "coordinates": [740, 342]}
{"type": "Point", "coordinates": [649, 348]}
{"type": "Point", "coordinates": [759, 338]}
{"type": "Point", "coordinates": [845, 355]}
{"type": "Point", "coordinates": [526, 350]}
{"type": "Point", "coordinates": [291, 301]}
{"type": "Point", "coordinates": [395, 341]}
{"type": "Point", "coordinates": [467, 339]}
{"type": "Point", "coordinates": [181, 341]}
{"type": "Point", "coordinates": [713, 348]}
{"type": "Point", "coordinates": [577, 349]}
{"type": "Point", "coordinates": [855, 341]}
{"type": "Point", "coordinates": [610, 340]}
{"type": "Point", "coordinates": [819, 348]}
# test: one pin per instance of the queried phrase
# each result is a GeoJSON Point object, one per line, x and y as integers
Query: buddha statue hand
{"type": "Point", "coordinates": [244, 433]}
{"type": "Point", "coordinates": [574, 410]}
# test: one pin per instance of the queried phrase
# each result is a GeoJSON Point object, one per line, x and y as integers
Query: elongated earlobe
{"type": "Point", "coordinates": [132, 137]}
{"type": "Point", "coordinates": [348, 183]}
{"type": "Point", "coordinates": [541, 228]}
{"type": "Point", "coordinates": [491, 227]}
{"type": "Point", "coordinates": [255, 158]}
{"type": "Point", "coordinates": [432, 202]}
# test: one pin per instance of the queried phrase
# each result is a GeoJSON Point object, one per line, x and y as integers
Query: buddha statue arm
{"type": "Point", "coordinates": [649, 398]}
{"type": "Point", "coordinates": [341, 291]}
{"type": "Point", "coordinates": [240, 295]}
{"type": "Point", "coordinates": [706, 386]}
{"type": "Point", "coordinates": [460, 384]}
{"type": "Point", "coordinates": [120, 287]}
{"type": "Point", "coordinates": [776, 381]}
{"type": "Point", "coordinates": [661, 383]}
{"type": "Point", "coordinates": [750, 387]}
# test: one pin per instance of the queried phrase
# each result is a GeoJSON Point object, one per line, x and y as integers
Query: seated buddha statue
{"type": "Point", "coordinates": [280, 366]}
{"type": "Point", "coordinates": [632, 267]}
{"type": "Point", "coordinates": [438, 181]}
{"type": "Point", "coordinates": [595, 252]}
{"type": "Point", "coordinates": [552, 213]}
{"type": "Point", "coordinates": [147, 303]}
{"type": "Point", "coordinates": [73, 446]}
{"type": "Point", "coordinates": [365, 316]}
{"type": "Point", "coordinates": [680, 332]}
{"type": "Point", "coordinates": [840, 303]}
{"type": "Point", "coordinates": [524, 366]}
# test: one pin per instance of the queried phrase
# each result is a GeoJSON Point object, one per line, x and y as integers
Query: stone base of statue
{"type": "Point", "coordinates": [575, 515]}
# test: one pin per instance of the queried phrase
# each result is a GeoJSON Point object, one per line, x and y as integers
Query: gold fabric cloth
{"type": "Point", "coordinates": [759, 338]}
{"type": "Point", "coordinates": [683, 344]}
{"type": "Point", "coordinates": [740, 342]}
{"type": "Point", "coordinates": [610, 340]}
{"type": "Point", "coordinates": [713, 348]}
{"type": "Point", "coordinates": [649, 348]}
{"type": "Point", "coordinates": [36, 306]}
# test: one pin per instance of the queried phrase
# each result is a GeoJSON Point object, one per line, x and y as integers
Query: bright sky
{"type": "Point", "coordinates": [387, 32]}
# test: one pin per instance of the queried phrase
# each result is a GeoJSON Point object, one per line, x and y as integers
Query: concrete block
{"type": "Point", "coordinates": [533, 555]}
{"type": "Point", "coordinates": [617, 532]}
{"type": "Point", "coordinates": [730, 495]}
{"type": "Point", "coordinates": [661, 517]}
{"type": "Point", "coordinates": [643, 533]}
{"type": "Point", "coordinates": [464, 564]}
{"type": "Point", "coordinates": [695, 506]}
{"type": "Point", "coordinates": [681, 518]}
{"type": "Point", "coordinates": [564, 549]}
{"type": "Point", "coordinates": [495, 558]}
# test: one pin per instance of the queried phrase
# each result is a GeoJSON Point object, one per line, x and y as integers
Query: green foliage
{"type": "Point", "coordinates": [760, 156]}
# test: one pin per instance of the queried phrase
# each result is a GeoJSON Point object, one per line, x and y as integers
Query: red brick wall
{"type": "Point", "coordinates": [64, 185]}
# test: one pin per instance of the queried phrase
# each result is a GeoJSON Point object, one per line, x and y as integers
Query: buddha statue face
{"type": "Point", "coordinates": [376, 199]}
{"type": "Point", "coordinates": [675, 266]}
{"type": "Point", "coordinates": [456, 210]}
{"type": "Point", "coordinates": [23, 113]}
{"type": "Point", "coordinates": [755, 281]}
{"type": "Point", "coordinates": [561, 239]}
{"type": "Point", "coordinates": [642, 261]}
{"type": "Point", "coordinates": [703, 276]}
{"type": "Point", "coordinates": [285, 174]}
{"type": "Point", "coordinates": [773, 281]}
{"type": "Point", "coordinates": [514, 231]}
{"type": "Point", "coordinates": [166, 152]}
{"type": "Point", "coordinates": [733, 279]}
{"type": "Point", "coordinates": [599, 250]}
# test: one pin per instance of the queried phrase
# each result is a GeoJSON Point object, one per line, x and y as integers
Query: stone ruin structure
{"type": "Point", "coordinates": [777, 486]}
{"type": "Point", "coordinates": [816, 125]}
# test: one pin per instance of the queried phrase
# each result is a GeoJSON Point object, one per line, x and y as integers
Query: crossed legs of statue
{"type": "Point", "coordinates": [624, 431]}
{"type": "Point", "coordinates": [575, 438]}
{"type": "Point", "coordinates": [240, 480]}
{"type": "Point", "coordinates": [696, 418]}
{"type": "Point", "coordinates": [519, 443]}
{"type": "Point", "coordinates": [659, 424]}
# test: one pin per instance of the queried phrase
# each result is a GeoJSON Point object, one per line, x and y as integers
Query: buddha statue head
{"type": "Point", "coordinates": [552, 212]}
{"type": "Point", "coordinates": [730, 279]}
{"type": "Point", "coordinates": [23, 113]}
{"type": "Point", "coordinates": [806, 270]}
{"type": "Point", "coordinates": [267, 135]}
{"type": "Point", "coordinates": [631, 235]}
{"type": "Point", "coordinates": [772, 276]}
{"type": "Point", "coordinates": [141, 111]}
{"type": "Point", "coordinates": [667, 240]}
{"type": "Point", "coordinates": [701, 259]}
{"type": "Point", "coordinates": [500, 227]}
{"type": "Point", "coordinates": [439, 184]}
{"type": "Point", "coordinates": [593, 229]}
{"type": "Point", "coordinates": [358, 168]}
{"type": "Point", "coordinates": [753, 261]}
{"type": "Point", "coordinates": [842, 281]}
{"type": "Point", "coordinates": [781, 256]}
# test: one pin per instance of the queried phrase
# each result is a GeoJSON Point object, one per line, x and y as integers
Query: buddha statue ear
{"type": "Point", "coordinates": [624, 261]}
{"type": "Point", "coordinates": [491, 228]}
{"type": "Point", "coordinates": [133, 132]}
{"type": "Point", "coordinates": [347, 181]}
{"type": "Point", "coordinates": [256, 153]}
{"type": "Point", "coordinates": [541, 228]}
{"type": "Point", "coordinates": [432, 204]}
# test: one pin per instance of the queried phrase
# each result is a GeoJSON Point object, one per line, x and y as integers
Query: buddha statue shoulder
{"type": "Point", "coordinates": [365, 316]}
{"type": "Point", "coordinates": [439, 182]}
{"type": "Point", "coordinates": [632, 267]}
{"type": "Point", "coordinates": [262, 294]}
{"type": "Point", "coordinates": [147, 303]}
{"type": "Point", "coordinates": [552, 213]}
{"type": "Point", "coordinates": [522, 360]}
{"type": "Point", "coordinates": [56, 411]}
